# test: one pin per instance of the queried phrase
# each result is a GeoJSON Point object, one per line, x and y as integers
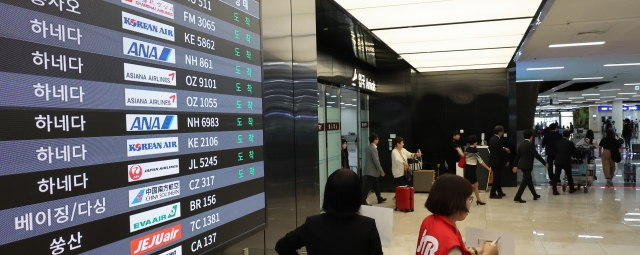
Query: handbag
{"type": "Point", "coordinates": [463, 162]}
{"type": "Point", "coordinates": [615, 156]}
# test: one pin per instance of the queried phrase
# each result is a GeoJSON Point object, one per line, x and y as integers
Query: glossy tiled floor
{"type": "Point", "coordinates": [603, 221]}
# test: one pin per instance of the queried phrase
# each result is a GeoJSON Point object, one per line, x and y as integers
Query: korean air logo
{"type": "Point", "coordinates": [148, 27]}
{"type": "Point", "coordinates": [147, 50]}
{"type": "Point", "coordinates": [140, 147]}
{"type": "Point", "coordinates": [136, 122]}
{"type": "Point", "coordinates": [138, 198]}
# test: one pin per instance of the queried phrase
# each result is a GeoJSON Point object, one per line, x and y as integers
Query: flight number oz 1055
{"type": "Point", "coordinates": [204, 162]}
{"type": "Point", "coordinates": [204, 102]}
{"type": "Point", "coordinates": [195, 81]}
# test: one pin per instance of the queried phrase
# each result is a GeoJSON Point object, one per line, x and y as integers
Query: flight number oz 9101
{"type": "Point", "coordinates": [206, 241]}
{"type": "Point", "coordinates": [204, 102]}
{"type": "Point", "coordinates": [195, 81]}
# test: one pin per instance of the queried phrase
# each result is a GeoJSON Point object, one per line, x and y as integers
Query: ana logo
{"type": "Point", "coordinates": [152, 170]}
{"type": "Point", "coordinates": [150, 146]}
{"type": "Point", "coordinates": [147, 98]}
{"type": "Point", "coordinates": [149, 75]}
{"type": "Point", "coordinates": [154, 193]}
{"type": "Point", "coordinates": [147, 50]}
{"type": "Point", "coordinates": [146, 26]}
{"type": "Point", "coordinates": [136, 122]}
{"type": "Point", "coordinates": [428, 245]}
{"type": "Point", "coordinates": [174, 251]}
{"type": "Point", "coordinates": [153, 217]}
{"type": "Point", "coordinates": [159, 7]}
{"type": "Point", "coordinates": [156, 239]}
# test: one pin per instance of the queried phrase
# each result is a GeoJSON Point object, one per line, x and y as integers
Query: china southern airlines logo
{"type": "Point", "coordinates": [428, 245]}
{"type": "Point", "coordinates": [138, 198]}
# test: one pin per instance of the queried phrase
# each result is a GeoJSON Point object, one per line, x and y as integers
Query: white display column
{"type": "Point", "coordinates": [594, 122]}
{"type": "Point", "coordinates": [616, 115]}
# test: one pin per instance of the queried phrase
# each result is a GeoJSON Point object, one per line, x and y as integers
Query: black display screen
{"type": "Point", "coordinates": [130, 126]}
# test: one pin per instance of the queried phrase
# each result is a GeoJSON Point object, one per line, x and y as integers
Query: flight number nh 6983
{"type": "Point", "coordinates": [206, 241]}
{"type": "Point", "coordinates": [195, 81]}
{"type": "Point", "coordinates": [204, 102]}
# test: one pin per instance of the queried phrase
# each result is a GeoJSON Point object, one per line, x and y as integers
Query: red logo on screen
{"type": "Point", "coordinates": [155, 240]}
{"type": "Point", "coordinates": [135, 172]}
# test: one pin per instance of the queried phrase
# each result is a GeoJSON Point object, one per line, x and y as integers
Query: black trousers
{"type": "Point", "coordinates": [527, 181]}
{"type": "Point", "coordinates": [496, 187]}
{"type": "Point", "coordinates": [368, 183]}
{"type": "Point", "coordinates": [451, 166]}
{"type": "Point", "coordinates": [550, 160]}
{"type": "Point", "coordinates": [567, 172]}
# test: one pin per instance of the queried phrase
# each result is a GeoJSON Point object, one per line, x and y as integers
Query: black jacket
{"type": "Point", "coordinates": [344, 158]}
{"type": "Point", "coordinates": [325, 234]}
{"type": "Point", "coordinates": [549, 142]}
{"type": "Point", "coordinates": [524, 157]}
{"type": "Point", "coordinates": [565, 149]}
{"type": "Point", "coordinates": [496, 152]}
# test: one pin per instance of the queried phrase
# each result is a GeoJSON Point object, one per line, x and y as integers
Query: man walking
{"type": "Point", "coordinates": [454, 153]}
{"type": "Point", "coordinates": [372, 170]}
{"type": "Point", "coordinates": [524, 160]}
{"type": "Point", "coordinates": [549, 145]}
{"type": "Point", "coordinates": [565, 149]}
{"type": "Point", "coordinates": [497, 161]}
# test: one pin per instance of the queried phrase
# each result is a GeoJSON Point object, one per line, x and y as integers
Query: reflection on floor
{"type": "Point", "coordinates": [602, 221]}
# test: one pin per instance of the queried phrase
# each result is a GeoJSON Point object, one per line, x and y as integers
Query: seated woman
{"type": "Point", "coordinates": [340, 229]}
{"type": "Point", "coordinates": [449, 200]}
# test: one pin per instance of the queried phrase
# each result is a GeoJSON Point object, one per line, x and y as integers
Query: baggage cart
{"type": "Point", "coordinates": [583, 169]}
{"type": "Point", "coordinates": [629, 173]}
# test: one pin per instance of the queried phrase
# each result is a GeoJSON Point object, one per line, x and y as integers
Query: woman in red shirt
{"type": "Point", "coordinates": [449, 200]}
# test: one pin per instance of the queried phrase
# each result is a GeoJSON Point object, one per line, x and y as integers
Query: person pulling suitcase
{"type": "Point", "coordinates": [564, 150]}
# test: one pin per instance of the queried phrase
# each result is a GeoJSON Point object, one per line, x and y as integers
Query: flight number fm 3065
{"type": "Point", "coordinates": [205, 162]}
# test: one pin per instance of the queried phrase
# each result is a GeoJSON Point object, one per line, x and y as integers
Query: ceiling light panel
{"type": "Point", "coordinates": [396, 14]}
{"type": "Point", "coordinates": [456, 68]}
{"type": "Point", "coordinates": [459, 55]}
{"type": "Point", "coordinates": [457, 44]}
{"type": "Point", "coordinates": [575, 44]}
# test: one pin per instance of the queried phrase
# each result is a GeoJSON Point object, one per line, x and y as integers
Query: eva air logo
{"type": "Point", "coordinates": [173, 212]}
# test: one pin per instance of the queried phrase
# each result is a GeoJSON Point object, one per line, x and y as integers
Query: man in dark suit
{"type": "Point", "coordinates": [565, 149]}
{"type": "Point", "coordinates": [372, 170]}
{"type": "Point", "coordinates": [549, 145]}
{"type": "Point", "coordinates": [524, 160]}
{"type": "Point", "coordinates": [497, 161]}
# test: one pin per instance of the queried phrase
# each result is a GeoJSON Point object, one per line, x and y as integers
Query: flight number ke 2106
{"type": "Point", "coordinates": [203, 142]}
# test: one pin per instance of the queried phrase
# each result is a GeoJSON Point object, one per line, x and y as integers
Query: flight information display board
{"type": "Point", "coordinates": [130, 126]}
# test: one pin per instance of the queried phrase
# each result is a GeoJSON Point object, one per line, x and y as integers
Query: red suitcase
{"type": "Point", "coordinates": [404, 199]}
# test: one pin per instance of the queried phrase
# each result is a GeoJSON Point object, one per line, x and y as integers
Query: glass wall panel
{"type": "Point", "coordinates": [364, 126]}
{"type": "Point", "coordinates": [332, 97]}
{"type": "Point", "coordinates": [322, 141]}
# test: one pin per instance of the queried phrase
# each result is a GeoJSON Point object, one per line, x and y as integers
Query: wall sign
{"type": "Point", "coordinates": [624, 108]}
{"type": "Point", "coordinates": [361, 81]}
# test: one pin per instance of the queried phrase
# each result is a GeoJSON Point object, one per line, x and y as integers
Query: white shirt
{"type": "Point", "coordinates": [397, 160]}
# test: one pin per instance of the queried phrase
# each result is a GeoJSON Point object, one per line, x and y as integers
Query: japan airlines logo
{"type": "Point", "coordinates": [154, 193]}
{"type": "Point", "coordinates": [140, 49]}
{"type": "Point", "coordinates": [156, 239]}
{"type": "Point", "coordinates": [428, 245]}
{"type": "Point", "coordinates": [138, 122]}
{"type": "Point", "coordinates": [152, 170]}
{"type": "Point", "coordinates": [147, 98]}
{"type": "Point", "coordinates": [150, 146]}
{"type": "Point", "coordinates": [154, 217]}
{"type": "Point", "coordinates": [149, 75]}
{"type": "Point", "coordinates": [159, 7]}
{"type": "Point", "coordinates": [146, 26]}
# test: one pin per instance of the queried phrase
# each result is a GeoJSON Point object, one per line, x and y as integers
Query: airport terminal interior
{"type": "Point", "coordinates": [171, 127]}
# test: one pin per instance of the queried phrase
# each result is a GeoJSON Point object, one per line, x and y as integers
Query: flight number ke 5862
{"type": "Point", "coordinates": [199, 41]}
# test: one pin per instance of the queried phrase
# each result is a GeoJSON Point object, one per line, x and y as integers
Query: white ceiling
{"type": "Point", "coordinates": [441, 35]}
{"type": "Point", "coordinates": [616, 22]}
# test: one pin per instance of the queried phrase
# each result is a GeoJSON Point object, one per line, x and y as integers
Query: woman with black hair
{"type": "Point", "coordinates": [449, 200]}
{"type": "Point", "coordinates": [344, 155]}
{"type": "Point", "coordinates": [608, 146]}
{"type": "Point", "coordinates": [472, 159]}
{"type": "Point", "coordinates": [340, 229]}
{"type": "Point", "coordinates": [589, 141]}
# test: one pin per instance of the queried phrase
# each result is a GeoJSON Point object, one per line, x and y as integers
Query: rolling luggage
{"type": "Point", "coordinates": [629, 172]}
{"type": "Point", "coordinates": [404, 198]}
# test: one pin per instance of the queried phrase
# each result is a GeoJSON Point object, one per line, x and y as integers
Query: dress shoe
{"type": "Point", "coordinates": [555, 193]}
{"type": "Point", "coordinates": [495, 197]}
{"type": "Point", "coordinates": [480, 203]}
{"type": "Point", "coordinates": [519, 201]}
{"type": "Point", "coordinates": [573, 191]}
{"type": "Point", "coordinates": [382, 200]}
{"type": "Point", "coordinates": [536, 197]}
{"type": "Point", "coordinates": [502, 195]}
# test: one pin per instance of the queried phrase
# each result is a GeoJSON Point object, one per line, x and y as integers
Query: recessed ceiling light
{"type": "Point", "coordinates": [576, 97]}
{"type": "Point", "coordinates": [608, 97]}
{"type": "Point", "coordinates": [593, 99]}
{"type": "Point", "coordinates": [603, 90]}
{"type": "Point", "coordinates": [575, 44]}
{"type": "Point", "coordinates": [622, 98]}
{"type": "Point", "coordinates": [354, 99]}
{"type": "Point", "coordinates": [341, 103]}
{"type": "Point", "coordinates": [529, 80]}
{"type": "Point", "coordinates": [591, 94]}
{"type": "Point", "coordinates": [543, 96]}
{"type": "Point", "coordinates": [630, 93]}
{"type": "Point", "coordinates": [545, 68]}
{"type": "Point", "coordinates": [587, 78]}
{"type": "Point", "coordinates": [334, 96]}
{"type": "Point", "coordinates": [626, 64]}
{"type": "Point", "coordinates": [632, 84]}
{"type": "Point", "coordinates": [564, 100]}
{"type": "Point", "coordinates": [636, 96]}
